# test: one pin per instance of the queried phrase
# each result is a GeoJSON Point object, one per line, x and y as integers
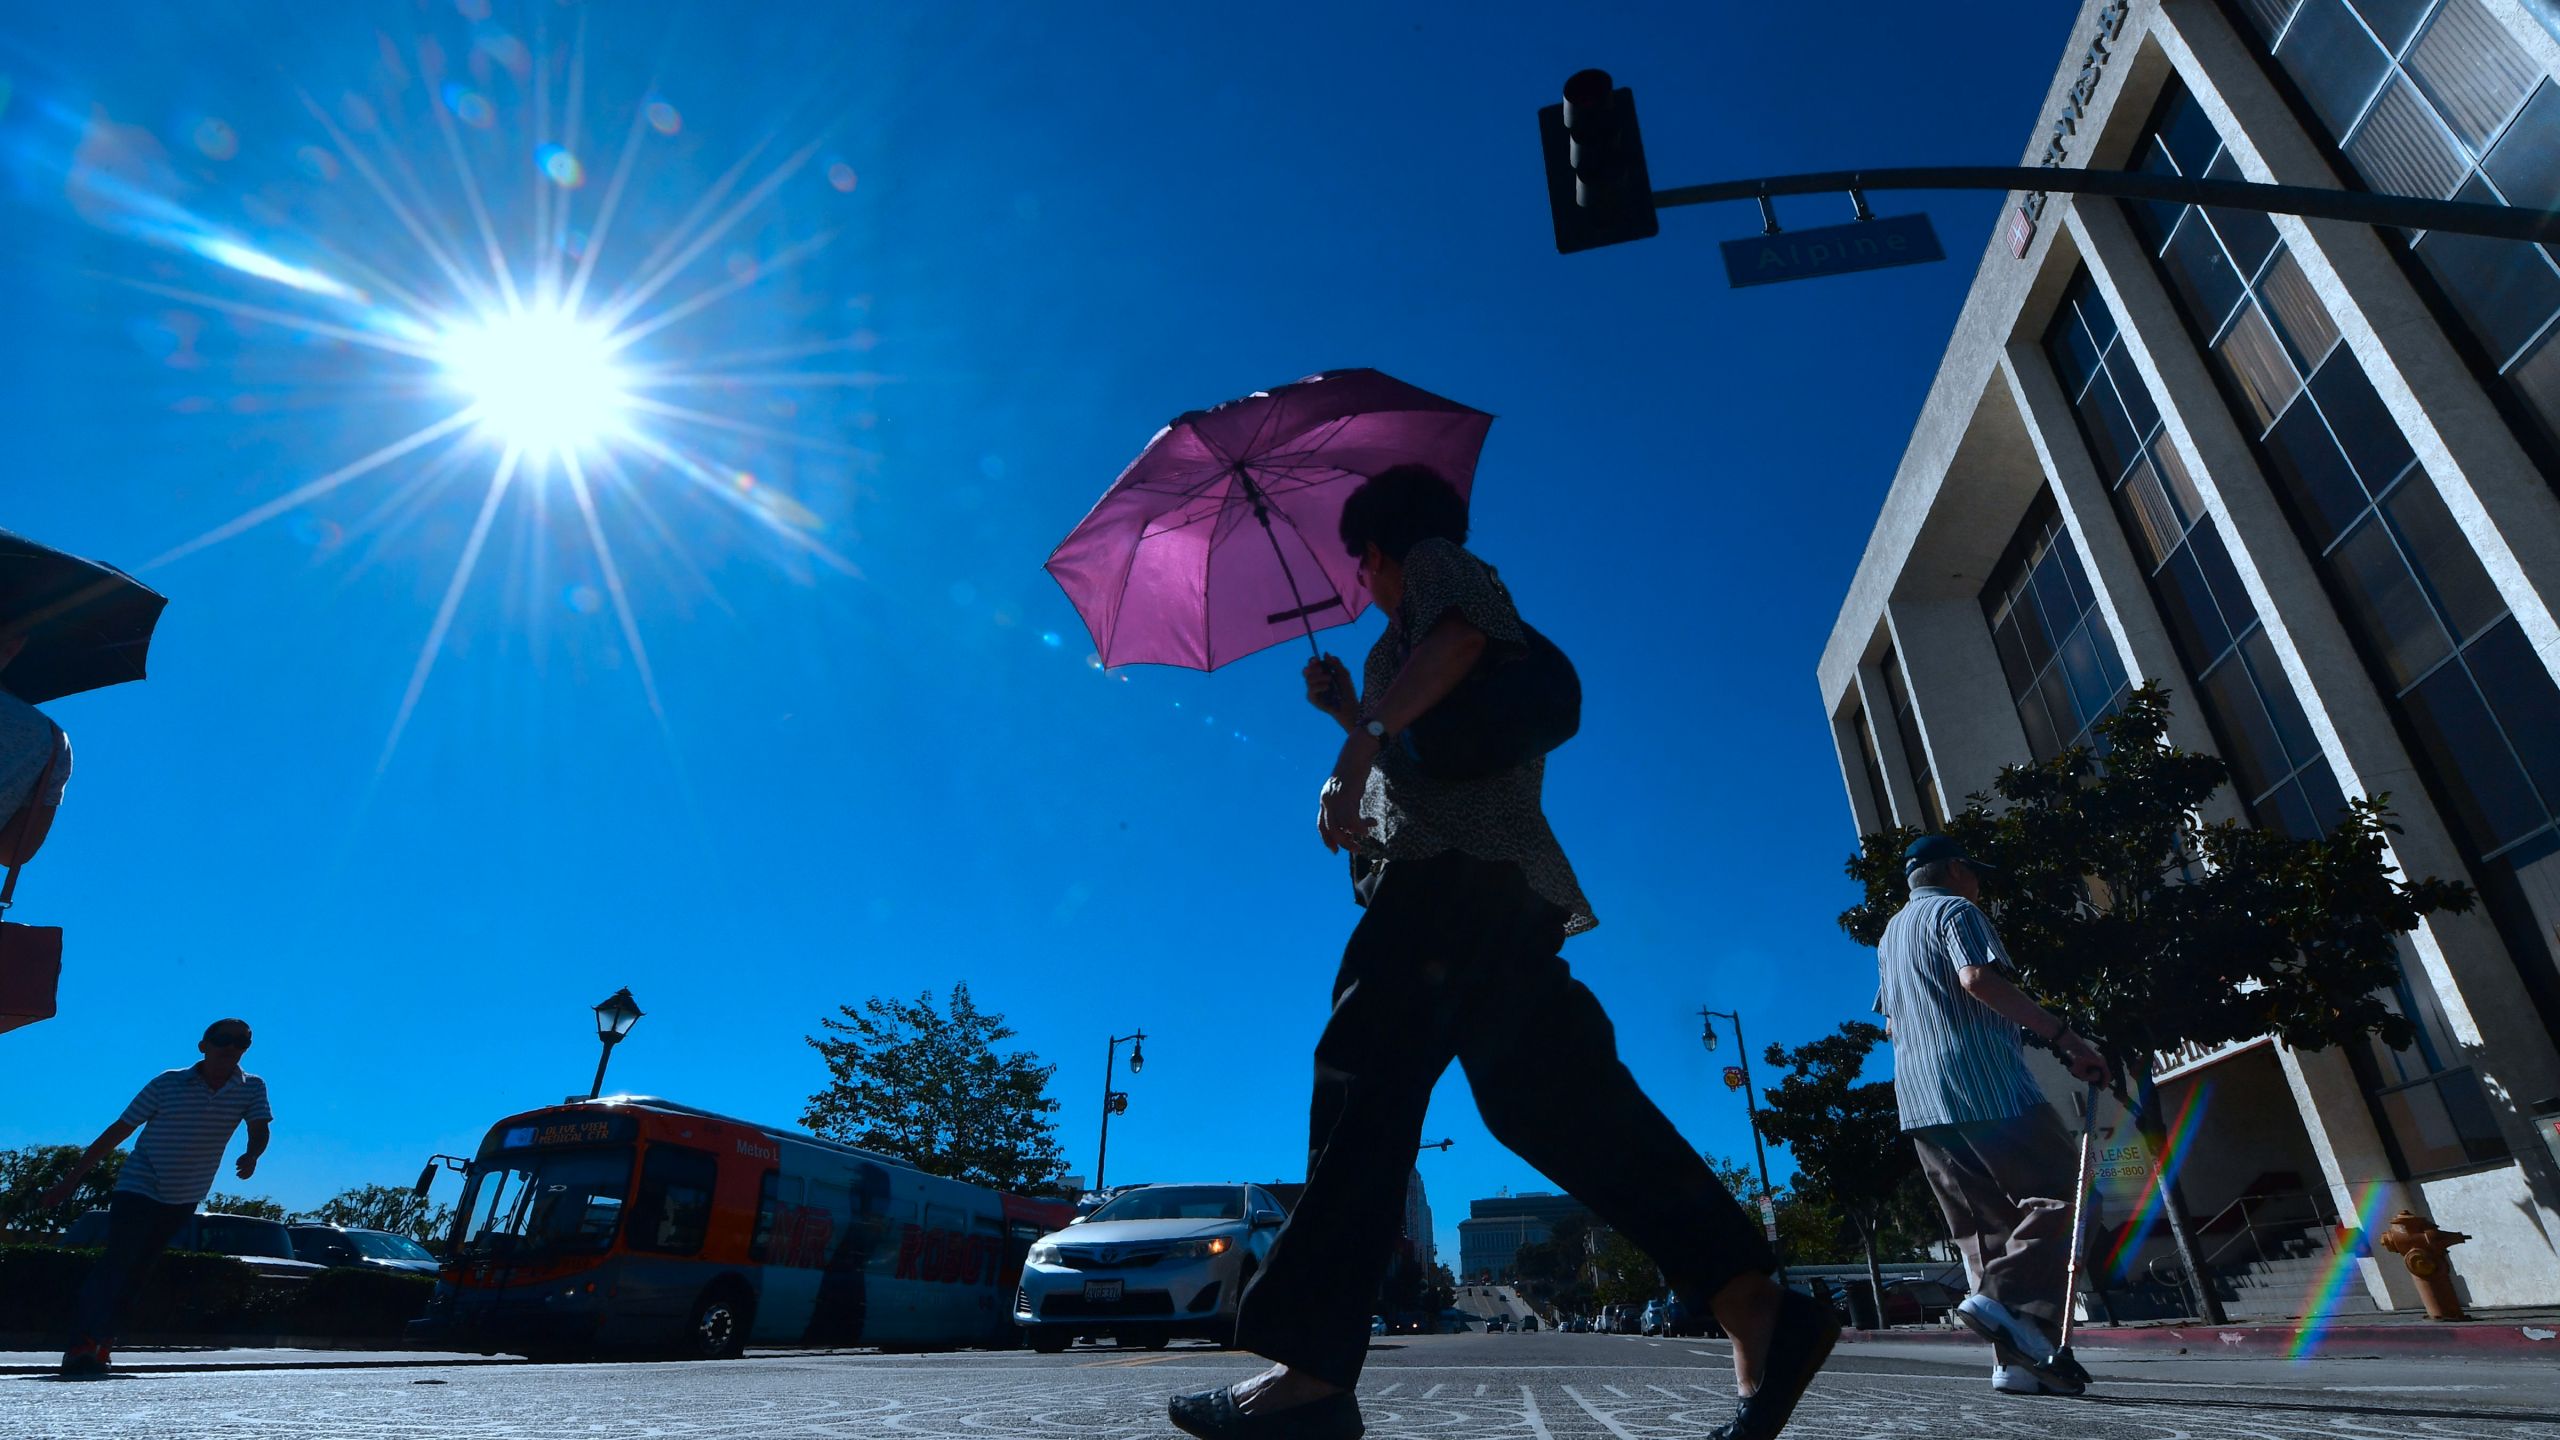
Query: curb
{"type": "Point", "coordinates": [206, 1367]}
{"type": "Point", "coordinates": [2477, 1340]}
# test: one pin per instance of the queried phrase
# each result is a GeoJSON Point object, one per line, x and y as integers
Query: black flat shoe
{"type": "Point", "coordinates": [1805, 1333]}
{"type": "Point", "coordinates": [1212, 1415]}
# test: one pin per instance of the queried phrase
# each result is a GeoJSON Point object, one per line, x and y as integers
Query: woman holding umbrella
{"type": "Point", "coordinates": [1468, 897]}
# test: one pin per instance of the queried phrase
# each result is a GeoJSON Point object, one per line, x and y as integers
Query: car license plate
{"type": "Point", "coordinates": [1103, 1291]}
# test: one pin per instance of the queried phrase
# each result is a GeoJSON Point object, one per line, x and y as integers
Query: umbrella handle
{"type": "Point", "coordinates": [1297, 601]}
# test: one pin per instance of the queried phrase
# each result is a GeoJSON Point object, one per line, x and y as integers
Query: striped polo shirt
{"type": "Point", "coordinates": [1954, 1058]}
{"type": "Point", "coordinates": [185, 1129]}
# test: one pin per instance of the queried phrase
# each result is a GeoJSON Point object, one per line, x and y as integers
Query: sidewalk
{"type": "Point", "coordinates": [2515, 1334]}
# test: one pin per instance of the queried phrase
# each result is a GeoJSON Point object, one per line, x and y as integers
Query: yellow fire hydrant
{"type": "Point", "coordinates": [2421, 1246]}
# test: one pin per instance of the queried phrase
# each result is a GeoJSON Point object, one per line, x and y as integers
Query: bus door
{"type": "Point", "coordinates": [798, 1237]}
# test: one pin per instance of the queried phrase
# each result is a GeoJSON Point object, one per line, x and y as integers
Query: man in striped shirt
{"type": "Point", "coordinates": [187, 1117]}
{"type": "Point", "coordinates": [1999, 1162]}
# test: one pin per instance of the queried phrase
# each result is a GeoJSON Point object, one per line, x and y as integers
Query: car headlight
{"type": "Point", "coordinates": [1202, 1249]}
{"type": "Point", "coordinates": [1044, 1254]}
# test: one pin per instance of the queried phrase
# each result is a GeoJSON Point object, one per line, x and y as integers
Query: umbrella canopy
{"type": "Point", "coordinates": [1221, 538]}
{"type": "Point", "coordinates": [87, 625]}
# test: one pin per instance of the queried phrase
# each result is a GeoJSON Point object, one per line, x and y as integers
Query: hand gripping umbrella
{"type": "Point", "coordinates": [1220, 539]}
{"type": "Point", "coordinates": [86, 624]}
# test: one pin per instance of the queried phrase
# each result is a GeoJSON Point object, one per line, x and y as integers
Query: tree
{"type": "Point", "coordinates": [1626, 1275]}
{"type": "Point", "coordinates": [908, 1080]}
{"type": "Point", "coordinates": [396, 1208]}
{"type": "Point", "coordinates": [1845, 1134]}
{"type": "Point", "coordinates": [1557, 1270]}
{"type": "Point", "coordinates": [2151, 929]}
{"type": "Point", "coordinates": [29, 1171]}
{"type": "Point", "coordinates": [256, 1206]}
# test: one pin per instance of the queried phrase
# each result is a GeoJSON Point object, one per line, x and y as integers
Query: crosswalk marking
{"type": "Point", "coordinates": [1390, 1390]}
{"type": "Point", "coordinates": [1434, 1390]}
{"type": "Point", "coordinates": [1594, 1411]}
{"type": "Point", "coordinates": [1479, 1390]}
{"type": "Point", "coordinates": [1614, 1390]}
{"type": "Point", "coordinates": [1667, 1390]}
{"type": "Point", "coordinates": [1529, 1412]}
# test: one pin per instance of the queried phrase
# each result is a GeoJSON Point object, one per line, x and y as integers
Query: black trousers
{"type": "Point", "coordinates": [1456, 959]}
{"type": "Point", "coordinates": [138, 1229]}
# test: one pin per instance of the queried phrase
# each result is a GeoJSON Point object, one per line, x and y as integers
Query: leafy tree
{"type": "Point", "coordinates": [1557, 1270]}
{"type": "Point", "coordinates": [2151, 929]}
{"type": "Point", "coordinates": [396, 1208]}
{"type": "Point", "coordinates": [908, 1080]}
{"type": "Point", "coordinates": [1845, 1134]}
{"type": "Point", "coordinates": [256, 1206]}
{"type": "Point", "coordinates": [1627, 1275]}
{"type": "Point", "coordinates": [29, 1171]}
{"type": "Point", "coordinates": [1441, 1292]}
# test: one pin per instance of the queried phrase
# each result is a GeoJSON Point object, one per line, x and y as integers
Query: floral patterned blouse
{"type": "Point", "coordinates": [1495, 818]}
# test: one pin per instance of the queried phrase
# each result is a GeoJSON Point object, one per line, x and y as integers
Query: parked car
{"type": "Point", "coordinates": [1916, 1300]}
{"type": "Point", "coordinates": [1155, 1262]}
{"type": "Point", "coordinates": [1528, 1322]}
{"type": "Point", "coordinates": [364, 1249]}
{"type": "Point", "coordinates": [263, 1245]}
{"type": "Point", "coordinates": [1495, 1323]}
{"type": "Point", "coordinates": [1377, 1324]}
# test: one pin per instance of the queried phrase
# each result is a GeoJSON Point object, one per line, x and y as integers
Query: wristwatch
{"type": "Point", "coordinates": [1377, 730]}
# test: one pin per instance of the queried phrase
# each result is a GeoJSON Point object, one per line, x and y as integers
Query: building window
{"type": "Point", "coordinates": [2283, 779]}
{"type": "Point", "coordinates": [2477, 704]}
{"type": "Point", "coordinates": [1906, 724]}
{"type": "Point", "coordinates": [2435, 98]}
{"type": "Point", "coordinates": [2063, 671]}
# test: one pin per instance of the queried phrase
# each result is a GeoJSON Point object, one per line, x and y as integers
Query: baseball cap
{"type": "Point", "coordinates": [1931, 849]}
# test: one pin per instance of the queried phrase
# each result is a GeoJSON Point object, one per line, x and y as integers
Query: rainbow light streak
{"type": "Point", "coordinates": [2320, 1305]}
{"type": "Point", "coordinates": [2164, 1173]}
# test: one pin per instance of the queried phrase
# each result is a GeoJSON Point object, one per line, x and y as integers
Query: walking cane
{"type": "Point", "coordinates": [2062, 1358]}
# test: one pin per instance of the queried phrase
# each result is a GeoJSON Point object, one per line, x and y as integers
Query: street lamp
{"type": "Point", "coordinates": [1440, 1145]}
{"type": "Point", "coordinates": [615, 1015]}
{"type": "Point", "coordinates": [1751, 1102]}
{"type": "Point", "coordinates": [1116, 1102]}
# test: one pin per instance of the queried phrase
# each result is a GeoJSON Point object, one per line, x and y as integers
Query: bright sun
{"type": "Point", "coordinates": [543, 381]}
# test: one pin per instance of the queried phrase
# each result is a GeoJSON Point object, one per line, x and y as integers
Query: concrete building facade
{"type": "Point", "coordinates": [1489, 1239]}
{"type": "Point", "coordinates": [2307, 475]}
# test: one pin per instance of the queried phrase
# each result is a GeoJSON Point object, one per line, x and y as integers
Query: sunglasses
{"type": "Point", "coordinates": [228, 1042]}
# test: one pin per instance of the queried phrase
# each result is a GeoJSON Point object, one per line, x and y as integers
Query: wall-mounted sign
{"type": "Point", "coordinates": [1831, 250]}
{"type": "Point", "coordinates": [2066, 126]}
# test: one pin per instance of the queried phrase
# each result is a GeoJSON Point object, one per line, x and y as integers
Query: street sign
{"type": "Point", "coordinates": [1769, 1217]}
{"type": "Point", "coordinates": [1734, 1078]}
{"type": "Point", "coordinates": [1831, 250]}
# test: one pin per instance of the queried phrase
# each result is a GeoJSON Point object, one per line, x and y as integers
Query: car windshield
{"type": "Point", "coordinates": [549, 1201]}
{"type": "Point", "coordinates": [381, 1245]}
{"type": "Point", "coordinates": [1177, 1202]}
{"type": "Point", "coordinates": [240, 1235]}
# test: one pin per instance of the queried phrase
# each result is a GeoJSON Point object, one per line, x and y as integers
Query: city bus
{"type": "Point", "coordinates": [635, 1223]}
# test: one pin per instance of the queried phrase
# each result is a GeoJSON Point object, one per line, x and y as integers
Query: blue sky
{"type": "Point", "coordinates": [1047, 230]}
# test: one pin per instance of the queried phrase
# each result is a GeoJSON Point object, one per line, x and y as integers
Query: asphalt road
{"type": "Point", "coordinates": [1470, 1387]}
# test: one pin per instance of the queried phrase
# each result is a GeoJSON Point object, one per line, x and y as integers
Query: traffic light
{"type": "Point", "coordinates": [1597, 184]}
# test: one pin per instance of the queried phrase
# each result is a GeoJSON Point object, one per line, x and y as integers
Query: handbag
{"type": "Point", "coordinates": [30, 955]}
{"type": "Point", "coordinates": [1518, 703]}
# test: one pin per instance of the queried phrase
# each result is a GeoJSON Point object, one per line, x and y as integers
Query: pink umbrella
{"type": "Point", "coordinates": [1220, 538]}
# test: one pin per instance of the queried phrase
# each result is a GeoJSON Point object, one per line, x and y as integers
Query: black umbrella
{"type": "Point", "coordinates": [87, 625]}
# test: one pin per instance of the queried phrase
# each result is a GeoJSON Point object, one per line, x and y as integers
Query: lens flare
{"type": "Point", "coordinates": [2165, 1166]}
{"type": "Point", "coordinates": [542, 380]}
{"type": "Point", "coordinates": [2320, 1303]}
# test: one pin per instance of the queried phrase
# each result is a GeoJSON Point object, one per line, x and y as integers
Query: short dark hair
{"type": "Point", "coordinates": [221, 1027]}
{"type": "Point", "coordinates": [1399, 508]}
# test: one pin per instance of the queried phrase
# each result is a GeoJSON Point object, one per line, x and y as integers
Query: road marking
{"type": "Point", "coordinates": [1529, 1412]}
{"type": "Point", "coordinates": [1667, 1390]}
{"type": "Point", "coordinates": [1614, 1390]}
{"type": "Point", "coordinates": [1390, 1390]}
{"type": "Point", "coordinates": [1479, 1391]}
{"type": "Point", "coordinates": [1612, 1426]}
{"type": "Point", "coordinates": [1709, 1353]}
{"type": "Point", "coordinates": [1434, 1390]}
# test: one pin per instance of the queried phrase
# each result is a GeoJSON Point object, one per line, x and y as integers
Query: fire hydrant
{"type": "Point", "coordinates": [2421, 1246]}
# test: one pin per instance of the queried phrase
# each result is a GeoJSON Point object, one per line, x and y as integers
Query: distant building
{"type": "Point", "coordinates": [1489, 1239]}
{"type": "Point", "coordinates": [1417, 1221]}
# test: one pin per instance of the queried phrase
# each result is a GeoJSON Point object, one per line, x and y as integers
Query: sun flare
{"type": "Point", "coordinates": [541, 381]}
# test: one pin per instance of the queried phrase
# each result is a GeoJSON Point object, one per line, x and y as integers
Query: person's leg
{"type": "Point", "coordinates": [1946, 1162]}
{"type": "Point", "coordinates": [1381, 1052]}
{"type": "Point", "coordinates": [2032, 1168]}
{"type": "Point", "coordinates": [1584, 1123]}
{"type": "Point", "coordinates": [138, 1229]}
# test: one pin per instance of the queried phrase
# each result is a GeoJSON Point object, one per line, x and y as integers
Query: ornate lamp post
{"type": "Point", "coordinates": [1751, 1102]}
{"type": "Point", "coordinates": [1116, 1102]}
{"type": "Point", "coordinates": [615, 1015]}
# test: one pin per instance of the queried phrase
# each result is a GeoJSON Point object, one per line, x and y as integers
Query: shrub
{"type": "Point", "coordinates": [186, 1292]}
{"type": "Point", "coordinates": [354, 1303]}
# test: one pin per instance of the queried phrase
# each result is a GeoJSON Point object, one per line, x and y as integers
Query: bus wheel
{"type": "Point", "coordinates": [1049, 1339]}
{"type": "Point", "coordinates": [720, 1320]}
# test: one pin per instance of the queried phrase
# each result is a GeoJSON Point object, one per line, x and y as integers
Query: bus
{"type": "Point", "coordinates": [635, 1223]}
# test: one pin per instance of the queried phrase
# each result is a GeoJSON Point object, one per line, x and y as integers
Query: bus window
{"type": "Point", "coordinates": [547, 1202]}
{"type": "Point", "coordinates": [673, 1207]}
{"type": "Point", "coordinates": [768, 1200]}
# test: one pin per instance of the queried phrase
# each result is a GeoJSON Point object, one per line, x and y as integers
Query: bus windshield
{"type": "Point", "coordinates": [556, 1202]}
{"type": "Point", "coordinates": [1177, 1202]}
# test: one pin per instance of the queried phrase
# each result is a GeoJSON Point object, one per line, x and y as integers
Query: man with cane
{"type": "Point", "coordinates": [2002, 1168]}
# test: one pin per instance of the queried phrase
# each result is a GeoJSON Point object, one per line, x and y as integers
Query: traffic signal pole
{"type": "Point", "coordinates": [1600, 192]}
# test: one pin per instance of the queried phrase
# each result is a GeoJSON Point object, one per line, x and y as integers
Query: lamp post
{"type": "Point", "coordinates": [1440, 1145]}
{"type": "Point", "coordinates": [1751, 1102]}
{"type": "Point", "coordinates": [1116, 1102]}
{"type": "Point", "coordinates": [615, 1015]}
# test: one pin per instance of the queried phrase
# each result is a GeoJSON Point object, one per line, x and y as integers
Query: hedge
{"type": "Point", "coordinates": [189, 1293]}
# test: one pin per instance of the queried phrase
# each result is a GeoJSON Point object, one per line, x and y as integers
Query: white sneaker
{"type": "Point", "coordinates": [2019, 1344]}
{"type": "Point", "coordinates": [2018, 1380]}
